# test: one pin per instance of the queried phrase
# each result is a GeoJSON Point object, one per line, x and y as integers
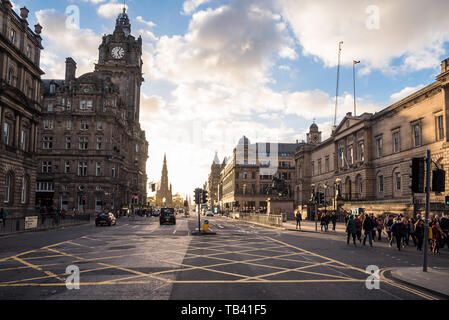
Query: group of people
{"type": "Point", "coordinates": [326, 219]}
{"type": "Point", "coordinates": [399, 229]}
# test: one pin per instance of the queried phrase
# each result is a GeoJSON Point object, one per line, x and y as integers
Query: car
{"type": "Point", "coordinates": [209, 214]}
{"type": "Point", "coordinates": [167, 216]}
{"type": "Point", "coordinates": [105, 219]}
{"type": "Point", "coordinates": [155, 213]}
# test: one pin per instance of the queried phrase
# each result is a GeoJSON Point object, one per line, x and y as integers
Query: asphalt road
{"type": "Point", "coordinates": [140, 260]}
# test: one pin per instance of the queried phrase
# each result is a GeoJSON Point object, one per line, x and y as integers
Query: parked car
{"type": "Point", "coordinates": [167, 216]}
{"type": "Point", "coordinates": [105, 219]}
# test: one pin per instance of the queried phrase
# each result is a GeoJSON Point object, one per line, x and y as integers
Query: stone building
{"type": "Point", "coordinates": [92, 151]}
{"type": "Point", "coordinates": [164, 196]}
{"type": "Point", "coordinates": [366, 163]}
{"type": "Point", "coordinates": [247, 175]}
{"type": "Point", "coordinates": [20, 109]}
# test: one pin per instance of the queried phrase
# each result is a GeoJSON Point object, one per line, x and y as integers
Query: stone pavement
{"type": "Point", "coordinates": [435, 280]}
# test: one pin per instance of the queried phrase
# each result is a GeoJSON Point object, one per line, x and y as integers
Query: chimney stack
{"type": "Point", "coordinates": [70, 69]}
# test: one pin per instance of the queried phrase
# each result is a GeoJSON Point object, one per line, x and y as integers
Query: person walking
{"type": "Point", "coordinates": [406, 234]}
{"type": "Point", "coordinates": [3, 215]}
{"type": "Point", "coordinates": [398, 233]}
{"type": "Point", "coordinates": [438, 237]}
{"type": "Point", "coordinates": [334, 221]}
{"type": "Point", "coordinates": [298, 220]}
{"type": "Point", "coordinates": [388, 224]}
{"type": "Point", "coordinates": [358, 225]}
{"type": "Point", "coordinates": [411, 228]}
{"type": "Point", "coordinates": [380, 227]}
{"type": "Point", "coordinates": [323, 222]}
{"type": "Point", "coordinates": [444, 224]}
{"type": "Point", "coordinates": [368, 227]}
{"type": "Point", "coordinates": [419, 234]}
{"type": "Point", "coordinates": [351, 229]}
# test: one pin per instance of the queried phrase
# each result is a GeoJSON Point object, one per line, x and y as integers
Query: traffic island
{"type": "Point", "coordinates": [202, 233]}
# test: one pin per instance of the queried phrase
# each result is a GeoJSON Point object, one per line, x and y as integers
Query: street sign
{"type": "Point", "coordinates": [31, 222]}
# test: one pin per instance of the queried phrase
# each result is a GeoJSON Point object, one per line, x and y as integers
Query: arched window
{"type": "Point", "coordinates": [24, 194]}
{"type": "Point", "coordinates": [8, 179]}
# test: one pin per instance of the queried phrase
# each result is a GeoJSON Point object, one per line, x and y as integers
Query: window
{"type": "Point", "coordinates": [23, 139]}
{"type": "Point", "coordinates": [7, 187]}
{"type": "Point", "coordinates": [313, 168]}
{"type": "Point", "coordinates": [82, 169]}
{"type": "Point", "coordinates": [362, 152]}
{"type": "Point", "coordinates": [84, 125]}
{"type": "Point", "coordinates": [24, 194]}
{"type": "Point", "coordinates": [12, 36]}
{"type": "Point", "coordinates": [44, 187]}
{"type": "Point", "coordinates": [360, 185]}
{"type": "Point", "coordinates": [351, 155]}
{"type": "Point", "coordinates": [245, 175]}
{"type": "Point", "coordinates": [47, 143]}
{"type": "Point", "coordinates": [29, 52]}
{"type": "Point", "coordinates": [98, 169]}
{"type": "Point", "coordinates": [6, 133]}
{"type": "Point", "coordinates": [396, 145]}
{"type": "Point", "coordinates": [67, 167]}
{"type": "Point", "coordinates": [113, 171]}
{"type": "Point", "coordinates": [99, 143]}
{"type": "Point", "coordinates": [48, 124]}
{"type": "Point", "coordinates": [10, 77]}
{"type": "Point", "coordinates": [46, 166]}
{"type": "Point", "coordinates": [319, 167]}
{"type": "Point", "coordinates": [417, 135]}
{"type": "Point", "coordinates": [50, 107]}
{"type": "Point", "coordinates": [68, 142]}
{"type": "Point", "coordinates": [86, 105]}
{"type": "Point", "coordinates": [100, 125]}
{"type": "Point", "coordinates": [137, 148]}
{"type": "Point", "coordinates": [341, 157]}
{"type": "Point", "coordinates": [379, 148]}
{"type": "Point", "coordinates": [440, 127]}
{"type": "Point", "coordinates": [326, 164]}
{"type": "Point", "coordinates": [69, 125]}
{"type": "Point", "coordinates": [52, 88]}
{"type": "Point", "coordinates": [84, 143]}
{"type": "Point", "coordinates": [398, 181]}
{"type": "Point", "coordinates": [253, 175]}
{"type": "Point", "coordinates": [381, 184]}
{"type": "Point", "coordinates": [69, 105]}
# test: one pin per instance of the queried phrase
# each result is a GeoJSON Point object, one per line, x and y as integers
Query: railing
{"type": "Point", "coordinates": [265, 219]}
{"type": "Point", "coordinates": [44, 222]}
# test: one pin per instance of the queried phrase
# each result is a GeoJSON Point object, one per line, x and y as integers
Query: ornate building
{"type": "Point", "coordinates": [20, 109]}
{"type": "Point", "coordinates": [247, 175]}
{"type": "Point", "coordinates": [92, 151]}
{"type": "Point", "coordinates": [366, 163]}
{"type": "Point", "coordinates": [213, 181]}
{"type": "Point", "coordinates": [164, 196]}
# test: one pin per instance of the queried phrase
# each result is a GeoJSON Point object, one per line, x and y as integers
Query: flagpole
{"type": "Point", "coordinates": [355, 105]}
{"type": "Point", "coordinates": [338, 82]}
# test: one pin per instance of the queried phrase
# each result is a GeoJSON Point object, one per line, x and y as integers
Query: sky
{"type": "Point", "coordinates": [217, 70]}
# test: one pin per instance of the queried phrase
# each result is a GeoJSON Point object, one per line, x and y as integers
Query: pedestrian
{"type": "Point", "coordinates": [334, 221]}
{"type": "Point", "coordinates": [406, 234]}
{"type": "Point", "coordinates": [444, 224]}
{"type": "Point", "coordinates": [368, 227]}
{"type": "Point", "coordinates": [358, 225]}
{"type": "Point", "coordinates": [3, 215]}
{"type": "Point", "coordinates": [412, 231]}
{"type": "Point", "coordinates": [351, 230]}
{"type": "Point", "coordinates": [388, 224]}
{"type": "Point", "coordinates": [298, 220]}
{"type": "Point", "coordinates": [323, 222]}
{"type": "Point", "coordinates": [419, 234]}
{"type": "Point", "coordinates": [398, 232]}
{"type": "Point", "coordinates": [380, 227]}
{"type": "Point", "coordinates": [438, 237]}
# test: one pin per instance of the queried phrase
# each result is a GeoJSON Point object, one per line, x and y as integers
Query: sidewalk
{"type": "Point", "coordinates": [435, 280]}
{"type": "Point", "coordinates": [309, 226]}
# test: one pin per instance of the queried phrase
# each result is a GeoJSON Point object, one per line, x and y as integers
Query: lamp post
{"type": "Point", "coordinates": [325, 192]}
{"type": "Point", "coordinates": [314, 202]}
{"type": "Point", "coordinates": [337, 188]}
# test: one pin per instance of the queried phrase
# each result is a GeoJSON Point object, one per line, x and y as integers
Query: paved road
{"type": "Point", "coordinates": [141, 260]}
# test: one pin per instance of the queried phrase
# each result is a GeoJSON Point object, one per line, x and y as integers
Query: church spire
{"type": "Point", "coordinates": [123, 23]}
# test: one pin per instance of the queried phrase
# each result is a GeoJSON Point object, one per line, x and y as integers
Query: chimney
{"type": "Point", "coordinates": [70, 69]}
{"type": "Point", "coordinates": [445, 65]}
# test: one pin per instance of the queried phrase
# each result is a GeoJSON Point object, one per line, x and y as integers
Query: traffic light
{"type": "Point", "coordinates": [197, 196]}
{"type": "Point", "coordinates": [439, 181]}
{"type": "Point", "coordinates": [447, 200]}
{"type": "Point", "coordinates": [204, 197]}
{"type": "Point", "coordinates": [418, 171]}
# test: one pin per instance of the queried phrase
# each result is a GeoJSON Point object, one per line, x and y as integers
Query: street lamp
{"type": "Point", "coordinates": [314, 202]}
{"type": "Point", "coordinates": [325, 193]}
{"type": "Point", "coordinates": [337, 188]}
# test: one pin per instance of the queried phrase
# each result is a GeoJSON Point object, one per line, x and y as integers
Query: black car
{"type": "Point", "coordinates": [105, 219]}
{"type": "Point", "coordinates": [167, 216]}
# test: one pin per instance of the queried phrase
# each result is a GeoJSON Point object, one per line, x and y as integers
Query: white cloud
{"type": "Point", "coordinates": [110, 10]}
{"type": "Point", "coordinates": [190, 5]}
{"type": "Point", "coordinates": [405, 93]}
{"type": "Point", "coordinates": [406, 31]}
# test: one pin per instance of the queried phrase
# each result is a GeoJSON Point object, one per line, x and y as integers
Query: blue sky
{"type": "Point", "coordinates": [216, 70]}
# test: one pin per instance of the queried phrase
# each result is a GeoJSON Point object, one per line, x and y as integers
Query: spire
{"type": "Point", "coordinates": [123, 23]}
{"type": "Point", "coordinates": [216, 160]}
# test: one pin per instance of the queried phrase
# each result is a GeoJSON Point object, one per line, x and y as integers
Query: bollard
{"type": "Point", "coordinates": [206, 226]}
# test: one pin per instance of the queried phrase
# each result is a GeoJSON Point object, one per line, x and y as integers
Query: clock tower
{"type": "Point", "coordinates": [314, 135]}
{"type": "Point", "coordinates": [121, 54]}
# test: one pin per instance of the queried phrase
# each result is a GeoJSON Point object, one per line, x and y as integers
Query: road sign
{"type": "Point", "coordinates": [31, 222]}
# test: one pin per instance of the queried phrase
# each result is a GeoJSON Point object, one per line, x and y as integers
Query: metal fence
{"type": "Point", "coordinates": [44, 222]}
{"type": "Point", "coordinates": [265, 219]}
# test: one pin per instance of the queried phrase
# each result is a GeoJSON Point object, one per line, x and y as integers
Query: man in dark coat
{"type": "Point", "coordinates": [368, 227]}
{"type": "Point", "coordinates": [398, 232]}
{"type": "Point", "coordinates": [351, 229]}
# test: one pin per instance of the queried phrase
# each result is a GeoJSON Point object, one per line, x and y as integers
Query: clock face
{"type": "Point", "coordinates": [118, 53]}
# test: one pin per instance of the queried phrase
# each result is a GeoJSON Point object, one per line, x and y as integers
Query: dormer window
{"type": "Point", "coordinates": [52, 88]}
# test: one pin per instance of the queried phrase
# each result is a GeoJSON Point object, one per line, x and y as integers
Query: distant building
{"type": "Point", "coordinates": [245, 178]}
{"type": "Point", "coordinates": [20, 109]}
{"type": "Point", "coordinates": [213, 182]}
{"type": "Point", "coordinates": [164, 196]}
